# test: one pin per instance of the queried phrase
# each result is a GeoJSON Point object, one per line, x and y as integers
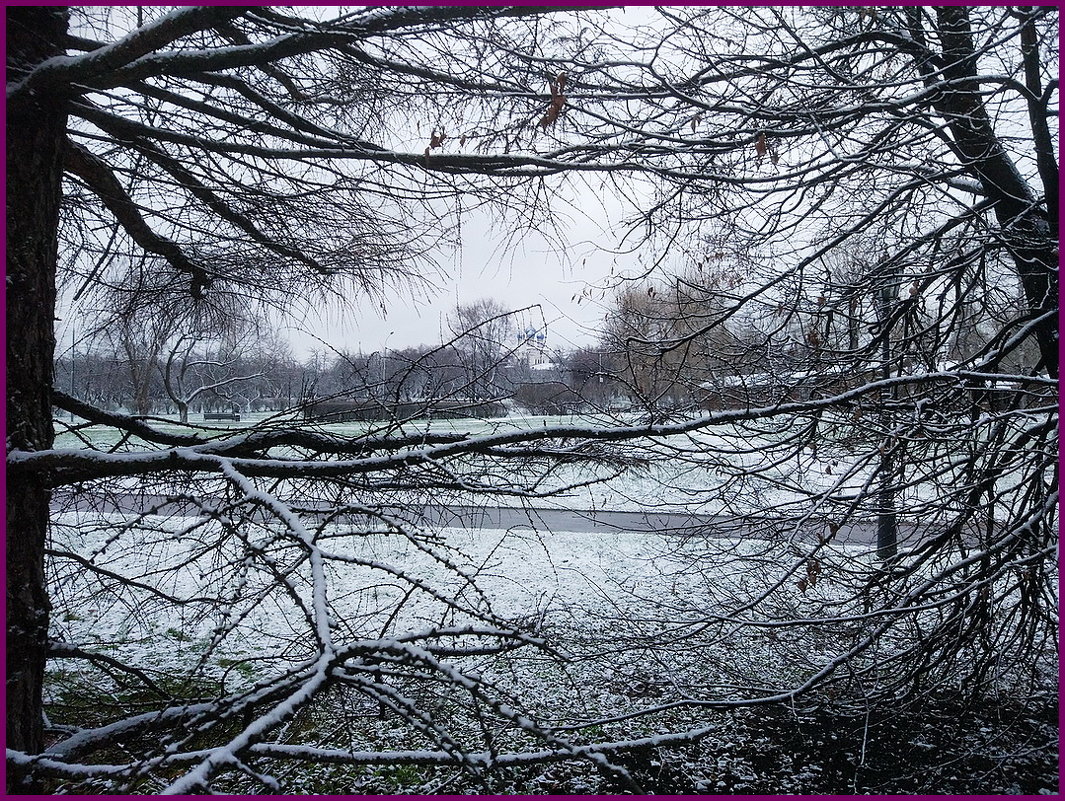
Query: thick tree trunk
{"type": "Point", "coordinates": [35, 132]}
{"type": "Point", "coordinates": [1025, 228]}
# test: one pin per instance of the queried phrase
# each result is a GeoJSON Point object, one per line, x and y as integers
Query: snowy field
{"type": "Point", "coordinates": [522, 574]}
{"type": "Point", "coordinates": [725, 469]}
{"type": "Point", "coordinates": [552, 578]}
{"type": "Point", "coordinates": [630, 622]}
{"type": "Point", "coordinates": [527, 573]}
{"type": "Point", "coordinates": [639, 620]}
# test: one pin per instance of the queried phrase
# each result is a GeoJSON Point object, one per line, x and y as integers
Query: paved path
{"type": "Point", "coordinates": [673, 523]}
{"type": "Point", "coordinates": [670, 523]}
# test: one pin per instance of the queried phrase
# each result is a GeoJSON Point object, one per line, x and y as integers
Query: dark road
{"type": "Point", "coordinates": [669, 523]}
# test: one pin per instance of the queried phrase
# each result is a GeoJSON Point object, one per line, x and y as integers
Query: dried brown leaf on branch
{"type": "Point", "coordinates": [813, 570]}
{"type": "Point", "coordinates": [558, 100]}
{"type": "Point", "coordinates": [763, 146]}
{"type": "Point", "coordinates": [436, 139]}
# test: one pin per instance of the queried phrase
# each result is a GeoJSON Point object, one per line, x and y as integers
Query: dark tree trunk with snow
{"type": "Point", "coordinates": [1028, 234]}
{"type": "Point", "coordinates": [35, 131]}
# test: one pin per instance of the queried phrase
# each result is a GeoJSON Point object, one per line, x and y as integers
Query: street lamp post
{"type": "Point", "coordinates": [887, 518]}
{"type": "Point", "coordinates": [72, 354]}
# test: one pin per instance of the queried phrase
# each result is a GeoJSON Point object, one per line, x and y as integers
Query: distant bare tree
{"type": "Point", "coordinates": [139, 343]}
{"type": "Point", "coordinates": [189, 373]}
{"type": "Point", "coordinates": [674, 337]}
{"type": "Point", "coordinates": [484, 333]}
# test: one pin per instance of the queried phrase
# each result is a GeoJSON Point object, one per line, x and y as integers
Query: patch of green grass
{"type": "Point", "coordinates": [177, 634]}
{"type": "Point", "coordinates": [242, 667]}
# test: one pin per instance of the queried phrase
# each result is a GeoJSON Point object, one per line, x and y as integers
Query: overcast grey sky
{"type": "Point", "coordinates": [538, 269]}
{"type": "Point", "coordinates": [553, 270]}
{"type": "Point", "coordinates": [518, 267]}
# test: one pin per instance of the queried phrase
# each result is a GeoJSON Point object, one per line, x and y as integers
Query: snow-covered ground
{"type": "Point", "coordinates": [384, 583]}
{"type": "Point", "coordinates": [638, 616]}
{"type": "Point", "coordinates": [726, 469]}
